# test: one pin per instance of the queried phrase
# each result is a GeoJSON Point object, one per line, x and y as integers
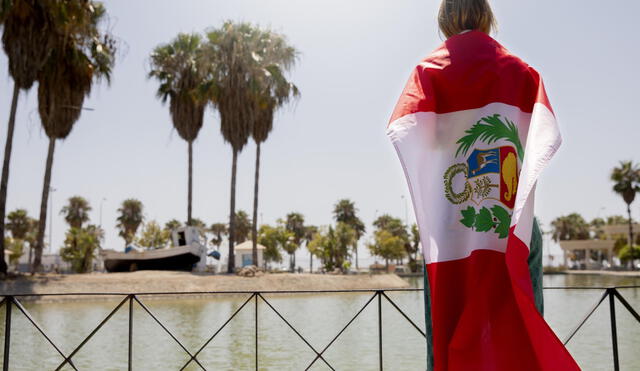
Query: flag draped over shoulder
{"type": "Point", "coordinates": [474, 129]}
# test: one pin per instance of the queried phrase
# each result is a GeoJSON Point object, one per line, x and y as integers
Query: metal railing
{"type": "Point", "coordinates": [10, 301]}
{"type": "Point", "coordinates": [612, 294]}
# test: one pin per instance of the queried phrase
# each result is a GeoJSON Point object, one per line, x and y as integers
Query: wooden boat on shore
{"type": "Point", "coordinates": [180, 258]}
{"type": "Point", "coordinates": [188, 253]}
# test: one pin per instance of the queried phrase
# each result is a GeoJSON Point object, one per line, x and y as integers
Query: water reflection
{"type": "Point", "coordinates": [318, 317]}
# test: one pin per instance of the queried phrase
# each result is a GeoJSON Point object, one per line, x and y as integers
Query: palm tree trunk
{"type": "Point", "coordinates": [190, 192]}
{"type": "Point", "coordinates": [310, 263]}
{"type": "Point", "coordinates": [37, 260]}
{"type": "Point", "coordinates": [355, 246]}
{"type": "Point", "coordinates": [5, 172]}
{"type": "Point", "coordinates": [254, 231]}
{"type": "Point", "coordinates": [232, 213]}
{"type": "Point", "coordinates": [630, 236]}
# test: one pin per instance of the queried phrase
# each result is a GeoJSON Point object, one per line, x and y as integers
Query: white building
{"type": "Point", "coordinates": [244, 254]}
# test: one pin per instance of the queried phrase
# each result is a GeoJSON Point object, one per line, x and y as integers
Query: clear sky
{"type": "Point", "coordinates": [355, 57]}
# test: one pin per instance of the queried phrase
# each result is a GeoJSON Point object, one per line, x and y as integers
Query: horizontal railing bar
{"type": "Point", "coordinates": [163, 293]}
{"type": "Point", "coordinates": [589, 287]}
{"type": "Point", "coordinates": [160, 293]}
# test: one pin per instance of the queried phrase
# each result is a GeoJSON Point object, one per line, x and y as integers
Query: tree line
{"type": "Point", "coordinates": [626, 183]}
{"type": "Point", "coordinates": [334, 246]}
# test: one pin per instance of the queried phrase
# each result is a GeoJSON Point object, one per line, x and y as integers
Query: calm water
{"type": "Point", "coordinates": [318, 317]}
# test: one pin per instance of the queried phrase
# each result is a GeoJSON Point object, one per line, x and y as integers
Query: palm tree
{"type": "Point", "coordinates": [201, 227]}
{"type": "Point", "coordinates": [23, 228]}
{"type": "Point", "coordinates": [310, 232]}
{"type": "Point", "coordinates": [243, 226]}
{"type": "Point", "coordinates": [234, 58]}
{"type": "Point", "coordinates": [345, 211]}
{"type": "Point", "coordinates": [18, 223]}
{"type": "Point", "coordinates": [627, 184]}
{"type": "Point", "coordinates": [570, 227]}
{"type": "Point", "coordinates": [219, 230]}
{"type": "Point", "coordinates": [131, 216]}
{"type": "Point", "coordinates": [295, 225]}
{"type": "Point", "coordinates": [76, 212]}
{"type": "Point", "coordinates": [172, 224]}
{"type": "Point", "coordinates": [26, 41]}
{"type": "Point", "coordinates": [180, 68]}
{"type": "Point", "coordinates": [274, 91]}
{"type": "Point", "coordinates": [82, 53]}
{"type": "Point", "coordinates": [80, 246]}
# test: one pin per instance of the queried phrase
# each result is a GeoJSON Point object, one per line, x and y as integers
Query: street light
{"type": "Point", "coordinates": [406, 210]}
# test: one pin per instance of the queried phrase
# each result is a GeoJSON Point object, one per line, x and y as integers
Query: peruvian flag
{"type": "Point", "coordinates": [474, 129]}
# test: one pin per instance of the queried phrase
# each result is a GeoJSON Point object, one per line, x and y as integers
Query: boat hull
{"type": "Point", "coordinates": [175, 259]}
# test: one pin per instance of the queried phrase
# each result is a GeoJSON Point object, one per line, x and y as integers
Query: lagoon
{"type": "Point", "coordinates": [318, 317]}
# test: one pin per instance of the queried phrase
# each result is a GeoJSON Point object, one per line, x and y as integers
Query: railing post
{"type": "Point", "coordinates": [256, 329]}
{"type": "Point", "coordinates": [7, 333]}
{"type": "Point", "coordinates": [380, 327]}
{"type": "Point", "coordinates": [614, 329]}
{"type": "Point", "coordinates": [130, 363]}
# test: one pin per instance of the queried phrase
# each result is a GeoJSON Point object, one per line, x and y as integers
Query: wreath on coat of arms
{"type": "Point", "coordinates": [487, 174]}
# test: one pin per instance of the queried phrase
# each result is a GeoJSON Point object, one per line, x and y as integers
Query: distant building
{"type": "Point", "coordinates": [50, 263]}
{"type": "Point", "coordinates": [244, 254]}
{"type": "Point", "coordinates": [582, 252]}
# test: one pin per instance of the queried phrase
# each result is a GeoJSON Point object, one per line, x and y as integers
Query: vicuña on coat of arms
{"type": "Point", "coordinates": [487, 174]}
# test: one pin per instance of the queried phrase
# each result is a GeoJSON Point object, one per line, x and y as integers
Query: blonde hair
{"type": "Point", "coordinates": [456, 16]}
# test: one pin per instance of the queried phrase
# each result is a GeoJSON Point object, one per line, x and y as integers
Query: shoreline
{"type": "Point", "coordinates": [167, 284]}
{"type": "Point", "coordinates": [605, 273]}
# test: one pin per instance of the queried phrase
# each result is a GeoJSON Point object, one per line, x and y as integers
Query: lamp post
{"type": "Point", "coordinates": [104, 236]}
{"type": "Point", "coordinates": [406, 210]}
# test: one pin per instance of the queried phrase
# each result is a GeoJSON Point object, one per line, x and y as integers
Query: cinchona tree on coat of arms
{"type": "Point", "coordinates": [487, 174]}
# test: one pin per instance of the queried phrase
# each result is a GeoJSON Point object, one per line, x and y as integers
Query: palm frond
{"type": "Point", "coordinates": [491, 129]}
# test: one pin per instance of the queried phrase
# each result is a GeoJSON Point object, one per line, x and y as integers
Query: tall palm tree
{"type": "Point", "coordinates": [274, 91]}
{"type": "Point", "coordinates": [76, 212]}
{"type": "Point", "coordinates": [26, 41]}
{"type": "Point", "coordinates": [82, 53]}
{"type": "Point", "coordinates": [180, 68]}
{"type": "Point", "coordinates": [130, 218]}
{"type": "Point", "coordinates": [345, 211]}
{"type": "Point", "coordinates": [627, 184]}
{"type": "Point", "coordinates": [234, 58]}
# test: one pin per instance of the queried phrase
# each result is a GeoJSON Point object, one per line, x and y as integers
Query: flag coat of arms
{"type": "Point", "coordinates": [473, 130]}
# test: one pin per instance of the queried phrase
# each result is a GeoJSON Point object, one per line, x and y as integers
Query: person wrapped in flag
{"type": "Point", "coordinates": [474, 129]}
